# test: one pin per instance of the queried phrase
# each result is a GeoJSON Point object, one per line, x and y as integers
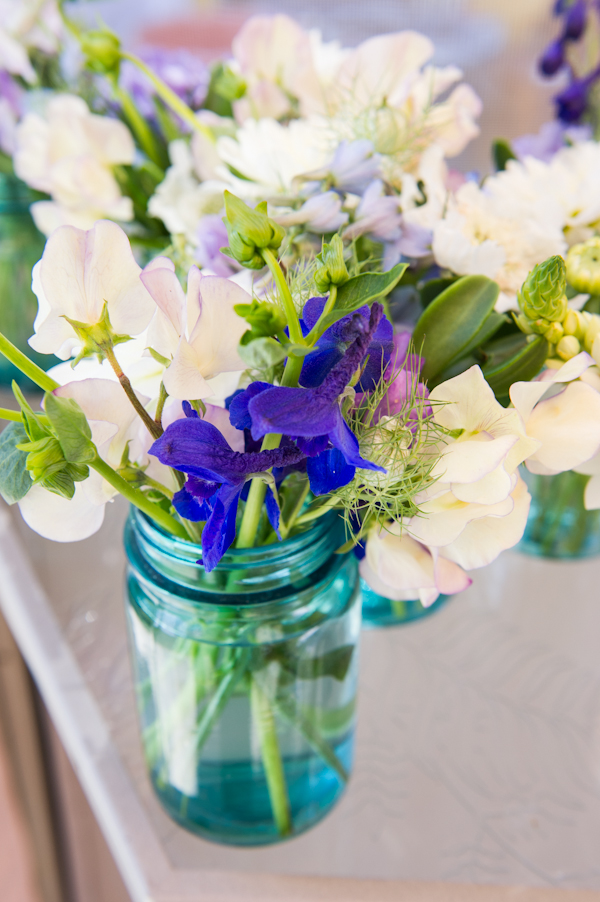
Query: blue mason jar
{"type": "Point", "coordinates": [558, 525]}
{"type": "Point", "coordinates": [378, 611]}
{"type": "Point", "coordinates": [246, 678]}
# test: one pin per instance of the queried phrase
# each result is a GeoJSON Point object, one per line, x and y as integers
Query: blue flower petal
{"type": "Point", "coordinates": [219, 531]}
{"type": "Point", "coordinates": [342, 438]}
{"type": "Point", "coordinates": [329, 471]}
{"type": "Point", "coordinates": [238, 408]}
{"type": "Point", "coordinates": [273, 512]}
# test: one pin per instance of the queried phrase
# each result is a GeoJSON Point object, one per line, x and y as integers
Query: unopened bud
{"type": "Point", "coordinates": [554, 333]}
{"type": "Point", "coordinates": [332, 270]}
{"type": "Point", "coordinates": [103, 51]}
{"type": "Point", "coordinates": [542, 295]}
{"type": "Point", "coordinates": [591, 332]}
{"type": "Point", "coordinates": [583, 266]}
{"type": "Point", "coordinates": [250, 231]}
{"type": "Point", "coordinates": [540, 326]}
{"type": "Point", "coordinates": [568, 347]}
{"type": "Point", "coordinates": [572, 325]}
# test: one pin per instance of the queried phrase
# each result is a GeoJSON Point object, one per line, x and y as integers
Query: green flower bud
{"type": "Point", "coordinates": [583, 266]}
{"type": "Point", "coordinates": [554, 333]}
{"type": "Point", "coordinates": [542, 294]}
{"type": "Point", "coordinates": [332, 270]}
{"type": "Point", "coordinates": [540, 326]}
{"type": "Point", "coordinates": [103, 51]}
{"type": "Point", "coordinates": [250, 231]}
{"type": "Point", "coordinates": [523, 323]}
{"type": "Point", "coordinates": [593, 329]}
{"type": "Point", "coordinates": [568, 347]}
{"type": "Point", "coordinates": [572, 324]}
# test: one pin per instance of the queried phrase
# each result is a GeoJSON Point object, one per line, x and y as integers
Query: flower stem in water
{"type": "Point", "coordinates": [264, 720]}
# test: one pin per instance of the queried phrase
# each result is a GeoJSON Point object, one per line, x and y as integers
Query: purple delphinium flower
{"type": "Point", "coordinates": [216, 478]}
{"type": "Point", "coordinates": [551, 138]}
{"type": "Point", "coordinates": [312, 415]}
{"type": "Point", "coordinates": [333, 343]}
{"type": "Point", "coordinates": [183, 72]}
{"type": "Point", "coordinates": [553, 58]}
{"type": "Point", "coordinates": [575, 21]}
{"type": "Point", "coordinates": [571, 103]}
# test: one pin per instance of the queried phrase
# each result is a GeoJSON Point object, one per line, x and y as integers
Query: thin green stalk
{"type": "Point", "coordinates": [13, 415]}
{"type": "Point", "coordinates": [289, 709]}
{"type": "Point", "coordinates": [264, 721]}
{"type": "Point", "coordinates": [219, 700]}
{"type": "Point", "coordinates": [138, 499]}
{"type": "Point", "coordinates": [27, 366]}
{"type": "Point", "coordinates": [162, 397]}
{"type": "Point", "coordinates": [285, 295]}
{"type": "Point", "coordinates": [252, 511]}
{"type": "Point", "coordinates": [155, 429]}
{"type": "Point", "coordinates": [171, 98]}
{"type": "Point", "coordinates": [315, 332]}
{"type": "Point", "coordinates": [140, 127]}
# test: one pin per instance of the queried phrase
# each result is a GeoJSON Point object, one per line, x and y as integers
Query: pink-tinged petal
{"type": "Point", "coordinates": [183, 379]}
{"type": "Point", "coordinates": [398, 560]}
{"type": "Point", "coordinates": [449, 577]}
{"type": "Point", "coordinates": [491, 489]}
{"type": "Point", "coordinates": [394, 594]}
{"type": "Point", "coordinates": [568, 427]}
{"type": "Point", "coordinates": [470, 461]}
{"type": "Point", "coordinates": [591, 496]}
{"type": "Point", "coordinates": [483, 540]}
{"type": "Point", "coordinates": [59, 519]}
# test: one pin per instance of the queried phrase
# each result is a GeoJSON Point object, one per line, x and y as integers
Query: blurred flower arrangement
{"type": "Point", "coordinates": [416, 431]}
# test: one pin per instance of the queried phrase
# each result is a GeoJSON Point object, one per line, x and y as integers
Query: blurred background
{"type": "Point", "coordinates": [50, 848]}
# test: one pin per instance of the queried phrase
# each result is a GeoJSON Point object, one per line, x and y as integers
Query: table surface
{"type": "Point", "coordinates": [478, 747]}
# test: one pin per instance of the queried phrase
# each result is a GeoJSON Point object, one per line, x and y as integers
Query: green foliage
{"type": "Point", "coordinates": [521, 367]}
{"type": "Point", "coordinates": [71, 428]}
{"type": "Point", "coordinates": [332, 269]}
{"type": "Point", "coordinates": [431, 289]}
{"type": "Point", "coordinates": [15, 480]}
{"type": "Point", "coordinates": [360, 291]}
{"type": "Point", "coordinates": [264, 319]}
{"type": "Point", "coordinates": [262, 353]}
{"type": "Point", "coordinates": [102, 50]}
{"type": "Point", "coordinates": [542, 295]}
{"type": "Point", "coordinates": [224, 88]}
{"type": "Point", "coordinates": [450, 324]}
{"type": "Point", "coordinates": [502, 152]}
{"type": "Point", "coordinates": [249, 232]}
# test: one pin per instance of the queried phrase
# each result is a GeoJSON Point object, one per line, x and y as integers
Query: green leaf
{"type": "Point", "coordinates": [361, 290]}
{"type": "Point", "coordinates": [494, 322]}
{"type": "Point", "coordinates": [431, 289]}
{"type": "Point", "coordinates": [333, 663]}
{"type": "Point", "coordinates": [522, 367]}
{"type": "Point", "coordinates": [15, 480]}
{"type": "Point", "coordinates": [502, 152]}
{"type": "Point", "coordinates": [35, 429]}
{"type": "Point", "coordinates": [264, 318]}
{"type": "Point", "coordinates": [449, 324]}
{"type": "Point", "coordinates": [71, 427]}
{"type": "Point", "coordinates": [262, 353]}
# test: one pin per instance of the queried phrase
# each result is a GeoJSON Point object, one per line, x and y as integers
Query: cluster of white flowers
{"type": "Point", "coordinates": [25, 25]}
{"type": "Point", "coordinates": [520, 217]}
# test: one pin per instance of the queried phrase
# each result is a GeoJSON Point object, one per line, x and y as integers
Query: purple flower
{"type": "Point", "coordinates": [572, 102]}
{"type": "Point", "coordinates": [335, 340]}
{"type": "Point", "coordinates": [212, 236]}
{"type": "Point", "coordinates": [216, 478]}
{"type": "Point", "coordinates": [552, 59]}
{"type": "Point", "coordinates": [183, 72]}
{"type": "Point", "coordinates": [312, 415]}
{"type": "Point", "coordinates": [353, 167]}
{"type": "Point", "coordinates": [575, 21]}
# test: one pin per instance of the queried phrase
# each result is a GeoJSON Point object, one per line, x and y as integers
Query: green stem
{"type": "Point", "coordinates": [285, 296]}
{"type": "Point", "coordinates": [219, 700]}
{"type": "Point", "coordinates": [290, 710]}
{"type": "Point", "coordinates": [140, 127]}
{"type": "Point", "coordinates": [155, 429]}
{"type": "Point", "coordinates": [315, 333]}
{"type": "Point", "coordinates": [162, 397]}
{"type": "Point", "coordinates": [138, 499]}
{"type": "Point", "coordinates": [27, 366]}
{"type": "Point", "coordinates": [252, 511]}
{"type": "Point", "coordinates": [171, 98]}
{"type": "Point", "coordinates": [264, 721]}
{"type": "Point", "coordinates": [13, 415]}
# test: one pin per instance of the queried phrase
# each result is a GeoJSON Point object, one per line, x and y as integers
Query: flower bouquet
{"type": "Point", "coordinates": [340, 362]}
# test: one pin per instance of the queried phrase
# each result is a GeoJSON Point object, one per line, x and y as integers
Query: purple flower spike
{"type": "Point", "coordinates": [575, 21]}
{"type": "Point", "coordinates": [572, 102]}
{"type": "Point", "coordinates": [553, 59]}
{"type": "Point", "coordinates": [217, 475]}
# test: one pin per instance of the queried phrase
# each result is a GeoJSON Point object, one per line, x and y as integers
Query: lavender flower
{"type": "Point", "coordinates": [212, 236]}
{"type": "Point", "coordinates": [183, 72]}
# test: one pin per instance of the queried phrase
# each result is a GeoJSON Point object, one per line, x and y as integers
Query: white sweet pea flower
{"type": "Point", "coordinates": [182, 199]}
{"type": "Point", "coordinates": [79, 273]}
{"type": "Point", "coordinates": [565, 422]}
{"type": "Point", "coordinates": [400, 568]}
{"type": "Point", "coordinates": [199, 333]}
{"type": "Point", "coordinates": [26, 24]}
{"type": "Point", "coordinates": [69, 153]}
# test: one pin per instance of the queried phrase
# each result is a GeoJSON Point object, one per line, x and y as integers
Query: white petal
{"type": "Point", "coordinates": [591, 497]}
{"type": "Point", "coordinates": [59, 519]}
{"type": "Point", "coordinates": [183, 379]}
{"type": "Point", "coordinates": [470, 461]}
{"type": "Point", "coordinates": [491, 489]}
{"type": "Point", "coordinates": [444, 518]}
{"type": "Point", "coordinates": [568, 426]}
